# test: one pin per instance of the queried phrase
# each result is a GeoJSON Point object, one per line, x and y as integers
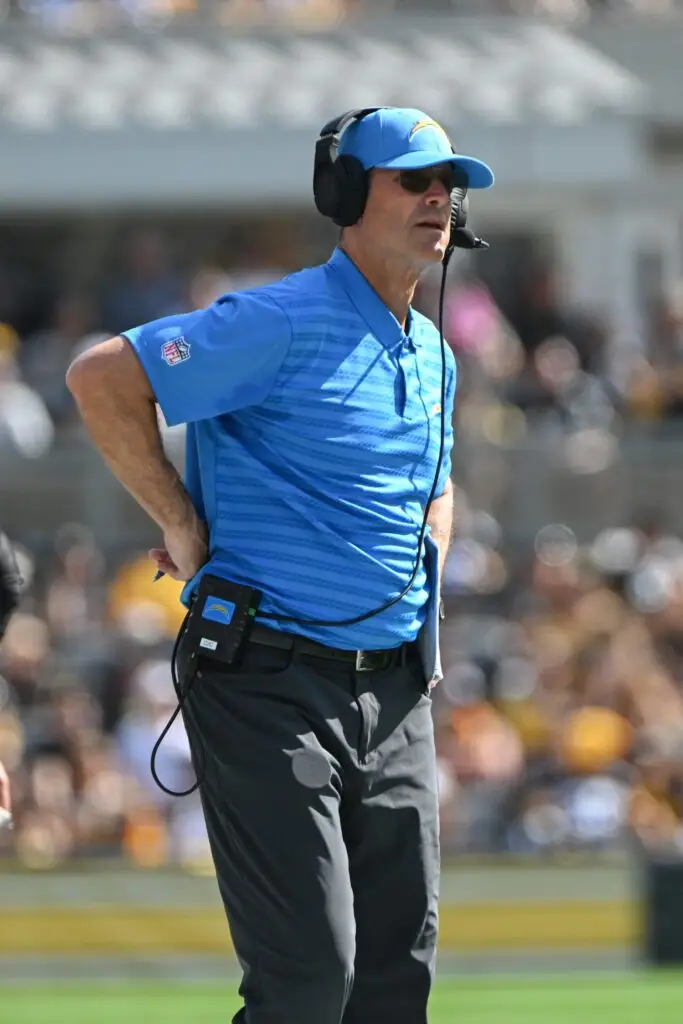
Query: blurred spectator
{"type": "Point", "coordinates": [11, 582]}
{"type": "Point", "coordinates": [151, 704]}
{"type": "Point", "coordinates": [45, 356]}
{"type": "Point", "coordinates": [23, 295]}
{"type": "Point", "coordinates": [540, 314]}
{"type": "Point", "coordinates": [253, 257]}
{"type": "Point", "coordinates": [26, 426]}
{"type": "Point", "coordinates": [146, 287]}
{"type": "Point", "coordinates": [85, 16]}
{"type": "Point", "coordinates": [579, 10]}
{"type": "Point", "coordinates": [654, 386]}
{"type": "Point", "coordinates": [207, 285]}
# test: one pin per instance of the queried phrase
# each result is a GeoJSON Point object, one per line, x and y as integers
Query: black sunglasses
{"type": "Point", "coordinates": [418, 181]}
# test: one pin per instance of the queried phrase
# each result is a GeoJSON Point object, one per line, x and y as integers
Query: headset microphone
{"type": "Point", "coordinates": [463, 238]}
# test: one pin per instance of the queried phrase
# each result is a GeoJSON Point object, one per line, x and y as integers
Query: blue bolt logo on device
{"type": "Point", "coordinates": [217, 610]}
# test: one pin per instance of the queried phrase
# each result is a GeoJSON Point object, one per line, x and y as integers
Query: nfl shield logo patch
{"type": "Point", "coordinates": [177, 350]}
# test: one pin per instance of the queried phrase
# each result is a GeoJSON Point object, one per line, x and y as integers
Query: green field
{"type": "Point", "coordinates": [487, 1000]}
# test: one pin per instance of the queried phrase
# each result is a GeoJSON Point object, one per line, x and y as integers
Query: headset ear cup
{"type": "Point", "coordinates": [325, 190]}
{"type": "Point", "coordinates": [459, 208]}
{"type": "Point", "coordinates": [464, 210]}
{"type": "Point", "coordinates": [340, 182]}
{"type": "Point", "coordinates": [352, 181]}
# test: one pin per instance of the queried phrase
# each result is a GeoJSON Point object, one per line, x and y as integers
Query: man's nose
{"type": "Point", "coordinates": [437, 194]}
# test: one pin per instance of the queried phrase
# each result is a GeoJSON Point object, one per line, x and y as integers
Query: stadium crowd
{"type": "Point", "coordinates": [560, 718]}
{"type": "Point", "coordinates": [87, 16]}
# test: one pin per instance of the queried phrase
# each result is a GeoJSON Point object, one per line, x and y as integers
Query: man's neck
{"type": "Point", "coordinates": [392, 279]}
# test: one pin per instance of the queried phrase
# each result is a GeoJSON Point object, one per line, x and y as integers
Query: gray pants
{"type": "Point", "coordinates": [319, 793]}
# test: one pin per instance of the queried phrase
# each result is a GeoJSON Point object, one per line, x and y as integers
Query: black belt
{"type": "Point", "coordinates": [363, 661]}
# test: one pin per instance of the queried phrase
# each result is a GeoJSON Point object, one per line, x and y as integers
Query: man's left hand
{"type": "Point", "coordinates": [185, 553]}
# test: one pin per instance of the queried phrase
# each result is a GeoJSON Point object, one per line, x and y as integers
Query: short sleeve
{"type": "Point", "coordinates": [448, 425]}
{"type": "Point", "coordinates": [216, 360]}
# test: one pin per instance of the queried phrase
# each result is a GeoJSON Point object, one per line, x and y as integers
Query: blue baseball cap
{"type": "Point", "coordinates": [400, 138]}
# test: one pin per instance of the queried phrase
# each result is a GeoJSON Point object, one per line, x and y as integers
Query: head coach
{"type": "Point", "coordinates": [311, 528]}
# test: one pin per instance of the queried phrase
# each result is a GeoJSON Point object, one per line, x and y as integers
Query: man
{"type": "Point", "coordinates": [11, 584]}
{"type": "Point", "coordinates": [314, 411]}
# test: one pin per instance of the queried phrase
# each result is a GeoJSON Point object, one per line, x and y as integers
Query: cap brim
{"type": "Point", "coordinates": [479, 174]}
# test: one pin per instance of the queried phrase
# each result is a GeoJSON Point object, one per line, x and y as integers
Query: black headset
{"type": "Point", "coordinates": [341, 183]}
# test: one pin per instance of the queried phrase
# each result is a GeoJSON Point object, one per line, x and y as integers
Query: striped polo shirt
{"type": "Point", "coordinates": [312, 442]}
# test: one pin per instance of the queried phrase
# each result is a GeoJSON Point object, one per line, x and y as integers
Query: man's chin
{"type": "Point", "coordinates": [433, 253]}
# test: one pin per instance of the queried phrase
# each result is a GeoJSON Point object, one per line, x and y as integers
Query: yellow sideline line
{"type": "Point", "coordinates": [109, 930]}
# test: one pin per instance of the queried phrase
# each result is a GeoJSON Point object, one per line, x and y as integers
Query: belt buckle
{"type": "Point", "coordinates": [372, 661]}
{"type": "Point", "coordinates": [364, 661]}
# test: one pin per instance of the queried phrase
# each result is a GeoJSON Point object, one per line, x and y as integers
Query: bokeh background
{"type": "Point", "coordinates": [157, 153]}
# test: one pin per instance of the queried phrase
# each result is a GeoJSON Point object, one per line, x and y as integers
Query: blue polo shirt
{"type": "Point", "coordinates": [312, 441]}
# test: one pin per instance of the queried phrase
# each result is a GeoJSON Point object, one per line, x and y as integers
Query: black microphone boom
{"type": "Point", "coordinates": [463, 238]}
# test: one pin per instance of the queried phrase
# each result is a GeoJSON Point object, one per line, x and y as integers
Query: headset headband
{"type": "Point", "coordinates": [333, 131]}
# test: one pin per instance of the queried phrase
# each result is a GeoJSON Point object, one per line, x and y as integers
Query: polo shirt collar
{"type": "Point", "coordinates": [369, 305]}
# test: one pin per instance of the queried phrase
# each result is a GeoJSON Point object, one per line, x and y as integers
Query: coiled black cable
{"type": "Point", "coordinates": [181, 696]}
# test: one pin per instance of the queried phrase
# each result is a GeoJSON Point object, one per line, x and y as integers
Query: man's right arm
{"type": "Point", "coordinates": [195, 366]}
{"type": "Point", "coordinates": [117, 406]}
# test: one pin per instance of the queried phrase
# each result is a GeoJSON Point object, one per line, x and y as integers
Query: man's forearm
{"type": "Point", "coordinates": [441, 522]}
{"type": "Point", "coordinates": [125, 431]}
